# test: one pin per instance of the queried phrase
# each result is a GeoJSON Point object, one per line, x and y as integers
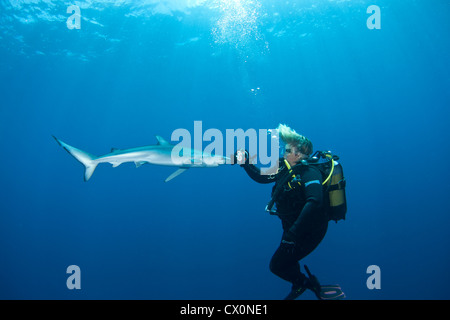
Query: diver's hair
{"type": "Point", "coordinates": [289, 136]}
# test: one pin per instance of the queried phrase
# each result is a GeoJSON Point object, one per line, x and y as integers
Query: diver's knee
{"type": "Point", "coordinates": [274, 266]}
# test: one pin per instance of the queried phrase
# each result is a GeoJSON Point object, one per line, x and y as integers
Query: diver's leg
{"type": "Point", "coordinates": [285, 261]}
{"type": "Point", "coordinates": [284, 264]}
{"type": "Point", "coordinates": [309, 241]}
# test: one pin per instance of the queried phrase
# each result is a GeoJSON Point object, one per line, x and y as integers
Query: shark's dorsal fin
{"type": "Point", "coordinates": [162, 141]}
{"type": "Point", "coordinates": [114, 149]}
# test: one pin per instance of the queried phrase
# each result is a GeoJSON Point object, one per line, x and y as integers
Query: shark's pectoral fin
{"type": "Point", "coordinates": [140, 163]}
{"type": "Point", "coordinates": [116, 164]}
{"type": "Point", "coordinates": [175, 174]}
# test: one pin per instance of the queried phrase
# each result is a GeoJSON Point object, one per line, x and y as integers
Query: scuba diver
{"type": "Point", "coordinates": [298, 200]}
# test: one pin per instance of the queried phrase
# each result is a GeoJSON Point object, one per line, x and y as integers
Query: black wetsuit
{"type": "Point", "coordinates": [303, 218]}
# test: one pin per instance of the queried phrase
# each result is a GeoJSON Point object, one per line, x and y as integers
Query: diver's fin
{"type": "Point", "coordinates": [326, 292]}
{"type": "Point", "coordinates": [295, 293]}
{"type": "Point", "coordinates": [175, 174]}
{"type": "Point", "coordinates": [331, 292]}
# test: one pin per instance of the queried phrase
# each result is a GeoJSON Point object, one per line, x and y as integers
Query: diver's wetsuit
{"type": "Point", "coordinates": [303, 219]}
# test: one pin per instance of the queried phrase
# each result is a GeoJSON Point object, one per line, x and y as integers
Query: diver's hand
{"type": "Point", "coordinates": [241, 157]}
{"type": "Point", "coordinates": [287, 246]}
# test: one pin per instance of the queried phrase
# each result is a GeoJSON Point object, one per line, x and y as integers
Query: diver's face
{"type": "Point", "coordinates": [293, 155]}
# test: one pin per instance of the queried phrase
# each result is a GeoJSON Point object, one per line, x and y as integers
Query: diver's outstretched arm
{"type": "Point", "coordinates": [255, 173]}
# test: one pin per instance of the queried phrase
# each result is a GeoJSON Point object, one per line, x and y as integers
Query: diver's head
{"type": "Point", "coordinates": [297, 147]}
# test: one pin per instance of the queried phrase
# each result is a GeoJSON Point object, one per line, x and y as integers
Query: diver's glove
{"type": "Point", "coordinates": [287, 246]}
{"type": "Point", "coordinates": [288, 243]}
{"type": "Point", "coordinates": [241, 157]}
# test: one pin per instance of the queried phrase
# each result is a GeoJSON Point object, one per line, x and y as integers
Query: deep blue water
{"type": "Point", "coordinates": [136, 69]}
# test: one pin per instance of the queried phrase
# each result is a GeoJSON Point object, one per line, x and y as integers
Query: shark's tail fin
{"type": "Point", "coordinates": [87, 159]}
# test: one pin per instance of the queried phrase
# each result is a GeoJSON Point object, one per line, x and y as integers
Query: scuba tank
{"type": "Point", "coordinates": [333, 183]}
{"type": "Point", "coordinates": [335, 189]}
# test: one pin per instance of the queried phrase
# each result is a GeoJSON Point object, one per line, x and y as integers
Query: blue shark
{"type": "Point", "coordinates": [163, 153]}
